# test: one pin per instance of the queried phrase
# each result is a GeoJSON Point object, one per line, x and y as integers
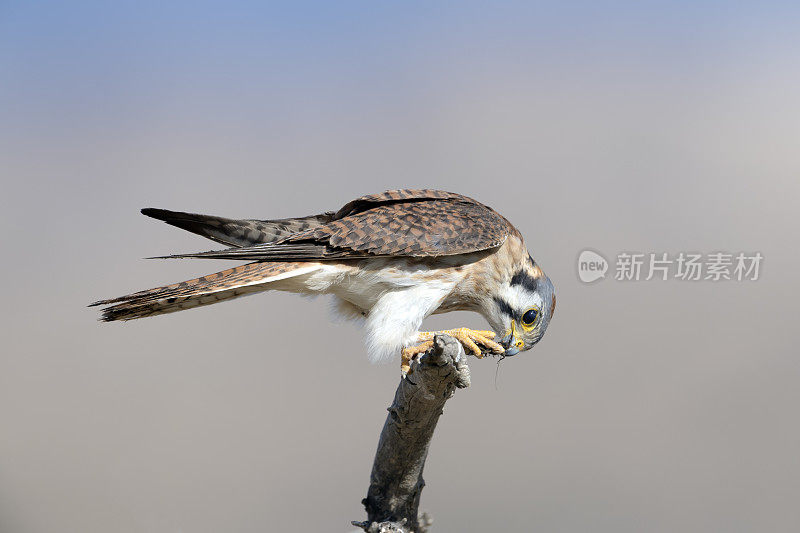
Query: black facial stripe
{"type": "Point", "coordinates": [531, 261]}
{"type": "Point", "coordinates": [504, 307]}
{"type": "Point", "coordinates": [523, 278]}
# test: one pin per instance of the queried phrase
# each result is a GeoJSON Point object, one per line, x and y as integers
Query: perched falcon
{"type": "Point", "coordinates": [393, 258]}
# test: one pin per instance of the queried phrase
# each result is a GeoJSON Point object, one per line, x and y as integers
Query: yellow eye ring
{"type": "Point", "coordinates": [530, 317]}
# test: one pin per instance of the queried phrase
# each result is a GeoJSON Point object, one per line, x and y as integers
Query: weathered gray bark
{"type": "Point", "coordinates": [396, 483]}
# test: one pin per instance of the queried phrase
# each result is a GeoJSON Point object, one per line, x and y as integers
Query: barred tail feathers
{"type": "Point", "coordinates": [205, 290]}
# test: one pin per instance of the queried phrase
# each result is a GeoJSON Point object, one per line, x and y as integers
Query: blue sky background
{"type": "Point", "coordinates": [98, 62]}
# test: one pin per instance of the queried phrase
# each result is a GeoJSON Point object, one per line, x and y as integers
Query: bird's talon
{"type": "Point", "coordinates": [408, 354]}
{"type": "Point", "coordinates": [469, 339]}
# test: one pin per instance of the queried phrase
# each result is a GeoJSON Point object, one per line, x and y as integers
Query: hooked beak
{"type": "Point", "coordinates": [511, 343]}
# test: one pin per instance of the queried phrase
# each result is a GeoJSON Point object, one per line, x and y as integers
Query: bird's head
{"type": "Point", "coordinates": [521, 308]}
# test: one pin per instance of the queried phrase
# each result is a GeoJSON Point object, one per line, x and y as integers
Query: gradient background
{"type": "Point", "coordinates": [651, 406]}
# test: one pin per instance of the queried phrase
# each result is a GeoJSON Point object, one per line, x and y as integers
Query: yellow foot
{"type": "Point", "coordinates": [469, 338]}
{"type": "Point", "coordinates": [409, 353]}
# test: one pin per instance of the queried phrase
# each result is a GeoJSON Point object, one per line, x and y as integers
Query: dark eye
{"type": "Point", "coordinates": [530, 317]}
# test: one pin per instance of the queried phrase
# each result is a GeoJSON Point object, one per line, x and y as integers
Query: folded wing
{"type": "Point", "coordinates": [247, 232]}
{"type": "Point", "coordinates": [410, 227]}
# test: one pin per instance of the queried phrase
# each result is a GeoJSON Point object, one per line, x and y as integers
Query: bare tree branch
{"type": "Point", "coordinates": [396, 483]}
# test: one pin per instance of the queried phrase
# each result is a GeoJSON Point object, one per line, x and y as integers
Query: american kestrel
{"type": "Point", "coordinates": [392, 258]}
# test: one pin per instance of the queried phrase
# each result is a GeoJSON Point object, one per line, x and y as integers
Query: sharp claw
{"type": "Point", "coordinates": [473, 341]}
